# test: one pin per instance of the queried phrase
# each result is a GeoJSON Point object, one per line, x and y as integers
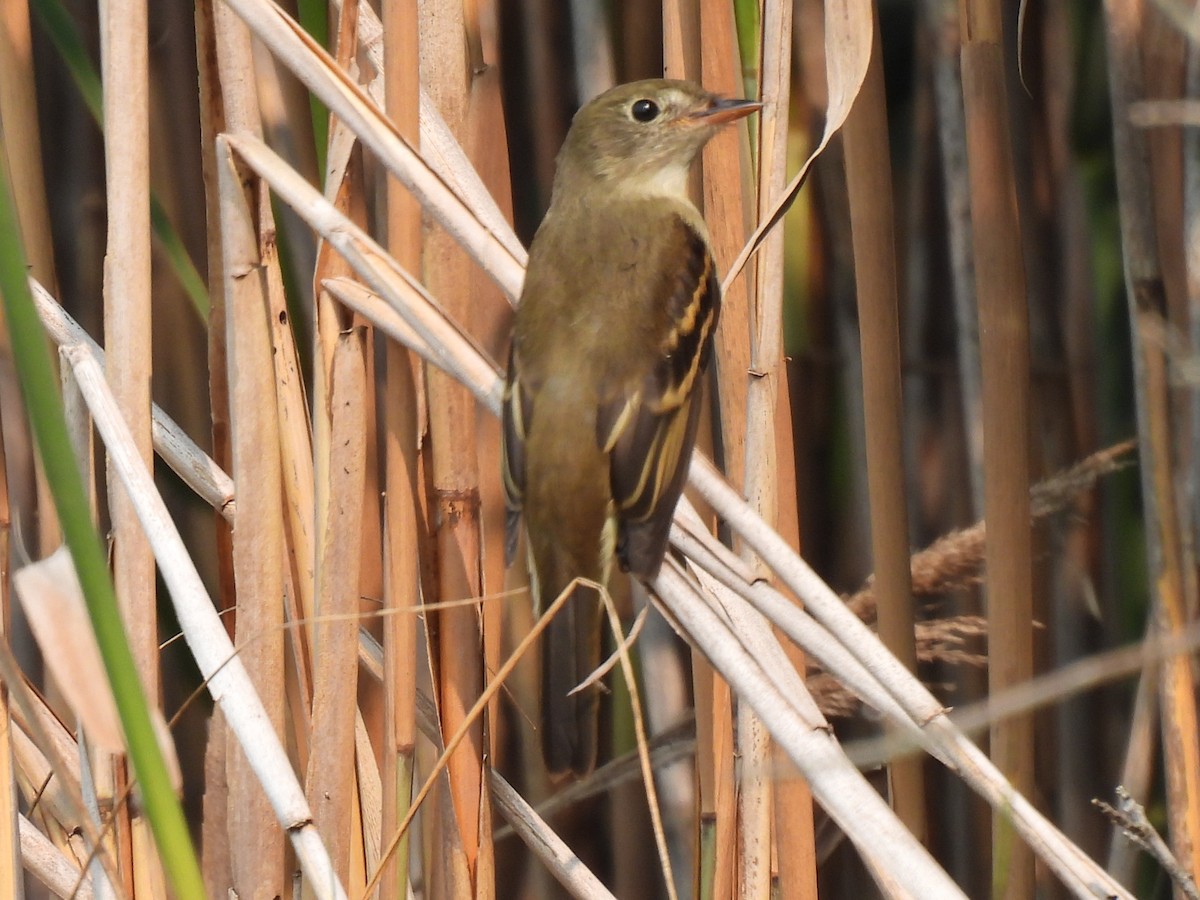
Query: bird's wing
{"type": "Point", "coordinates": [516, 413]}
{"type": "Point", "coordinates": [650, 430]}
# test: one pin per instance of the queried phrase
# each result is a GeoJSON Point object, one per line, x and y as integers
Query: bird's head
{"type": "Point", "coordinates": [643, 136]}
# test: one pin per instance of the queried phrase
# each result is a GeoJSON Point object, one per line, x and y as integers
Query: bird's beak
{"type": "Point", "coordinates": [723, 110]}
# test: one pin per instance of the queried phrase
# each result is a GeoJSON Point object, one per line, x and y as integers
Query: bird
{"type": "Point", "coordinates": [612, 337]}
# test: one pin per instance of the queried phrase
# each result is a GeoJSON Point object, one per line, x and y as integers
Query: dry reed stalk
{"type": "Point", "coordinates": [48, 765]}
{"type": "Point", "coordinates": [793, 802]}
{"type": "Point", "coordinates": [455, 498]}
{"type": "Point", "coordinates": [1004, 339]}
{"type": "Point", "coordinates": [494, 248]}
{"type": "Point", "coordinates": [127, 301]}
{"type": "Point", "coordinates": [756, 666]}
{"type": "Point", "coordinates": [342, 430]}
{"type": "Point", "coordinates": [212, 123]}
{"type": "Point", "coordinates": [486, 143]}
{"type": "Point", "coordinates": [846, 59]}
{"type": "Point", "coordinates": [299, 506]}
{"type": "Point", "coordinates": [403, 428]}
{"type": "Point", "coordinates": [1163, 53]}
{"type": "Point", "coordinates": [727, 183]}
{"type": "Point", "coordinates": [368, 811]}
{"type": "Point", "coordinates": [941, 22]}
{"type": "Point", "coordinates": [258, 535]}
{"type": "Point", "coordinates": [48, 760]}
{"type": "Point", "coordinates": [869, 185]}
{"type": "Point", "coordinates": [371, 574]}
{"type": "Point", "coordinates": [1137, 769]}
{"type": "Point", "coordinates": [681, 39]}
{"type": "Point", "coordinates": [217, 859]}
{"type": "Point", "coordinates": [764, 391]}
{"type": "Point", "coordinates": [18, 108]}
{"type": "Point", "coordinates": [47, 864]}
{"type": "Point", "coordinates": [18, 103]}
{"type": "Point", "coordinates": [545, 844]}
{"type": "Point", "coordinates": [176, 449]}
{"type": "Point", "coordinates": [231, 105]}
{"type": "Point", "coordinates": [920, 708]}
{"type": "Point", "coordinates": [796, 859]}
{"type": "Point", "coordinates": [1146, 296]}
{"type": "Point", "coordinates": [726, 188]}
{"type": "Point", "coordinates": [298, 459]}
{"type": "Point", "coordinates": [786, 808]}
{"type": "Point", "coordinates": [330, 783]}
{"type": "Point", "coordinates": [18, 111]}
{"type": "Point", "coordinates": [124, 60]}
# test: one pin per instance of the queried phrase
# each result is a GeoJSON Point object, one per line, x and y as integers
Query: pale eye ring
{"type": "Point", "coordinates": [644, 110]}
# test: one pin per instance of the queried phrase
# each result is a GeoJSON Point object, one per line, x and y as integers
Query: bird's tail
{"type": "Point", "coordinates": [570, 653]}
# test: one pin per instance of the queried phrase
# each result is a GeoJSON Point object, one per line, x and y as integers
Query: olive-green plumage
{"type": "Point", "coordinates": [612, 336]}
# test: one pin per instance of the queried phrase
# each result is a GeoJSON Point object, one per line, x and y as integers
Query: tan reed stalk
{"type": "Point", "coordinates": [454, 502]}
{"type": "Point", "coordinates": [767, 402]}
{"type": "Point", "coordinates": [942, 24]}
{"type": "Point", "coordinates": [1004, 344]}
{"type": "Point", "coordinates": [341, 430]}
{"type": "Point", "coordinates": [486, 144]}
{"type": "Point", "coordinates": [256, 851]}
{"type": "Point", "coordinates": [217, 856]}
{"type": "Point", "coordinates": [18, 110]}
{"type": "Point", "coordinates": [403, 428]}
{"type": "Point", "coordinates": [1146, 289]}
{"type": "Point", "coordinates": [125, 66]}
{"type": "Point", "coordinates": [212, 123]}
{"type": "Point", "coordinates": [681, 39]}
{"type": "Point", "coordinates": [127, 300]}
{"type": "Point", "coordinates": [330, 784]}
{"type": "Point", "coordinates": [1137, 769]}
{"type": "Point", "coordinates": [872, 219]}
{"type": "Point", "coordinates": [727, 182]}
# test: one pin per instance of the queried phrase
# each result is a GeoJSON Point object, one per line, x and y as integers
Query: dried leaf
{"type": "Point", "coordinates": [53, 602]}
{"type": "Point", "coordinates": [848, 36]}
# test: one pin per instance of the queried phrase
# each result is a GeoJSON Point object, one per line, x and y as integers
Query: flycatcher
{"type": "Point", "coordinates": [612, 337]}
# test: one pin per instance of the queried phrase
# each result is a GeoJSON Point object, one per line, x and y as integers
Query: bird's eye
{"type": "Point", "coordinates": [644, 110]}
